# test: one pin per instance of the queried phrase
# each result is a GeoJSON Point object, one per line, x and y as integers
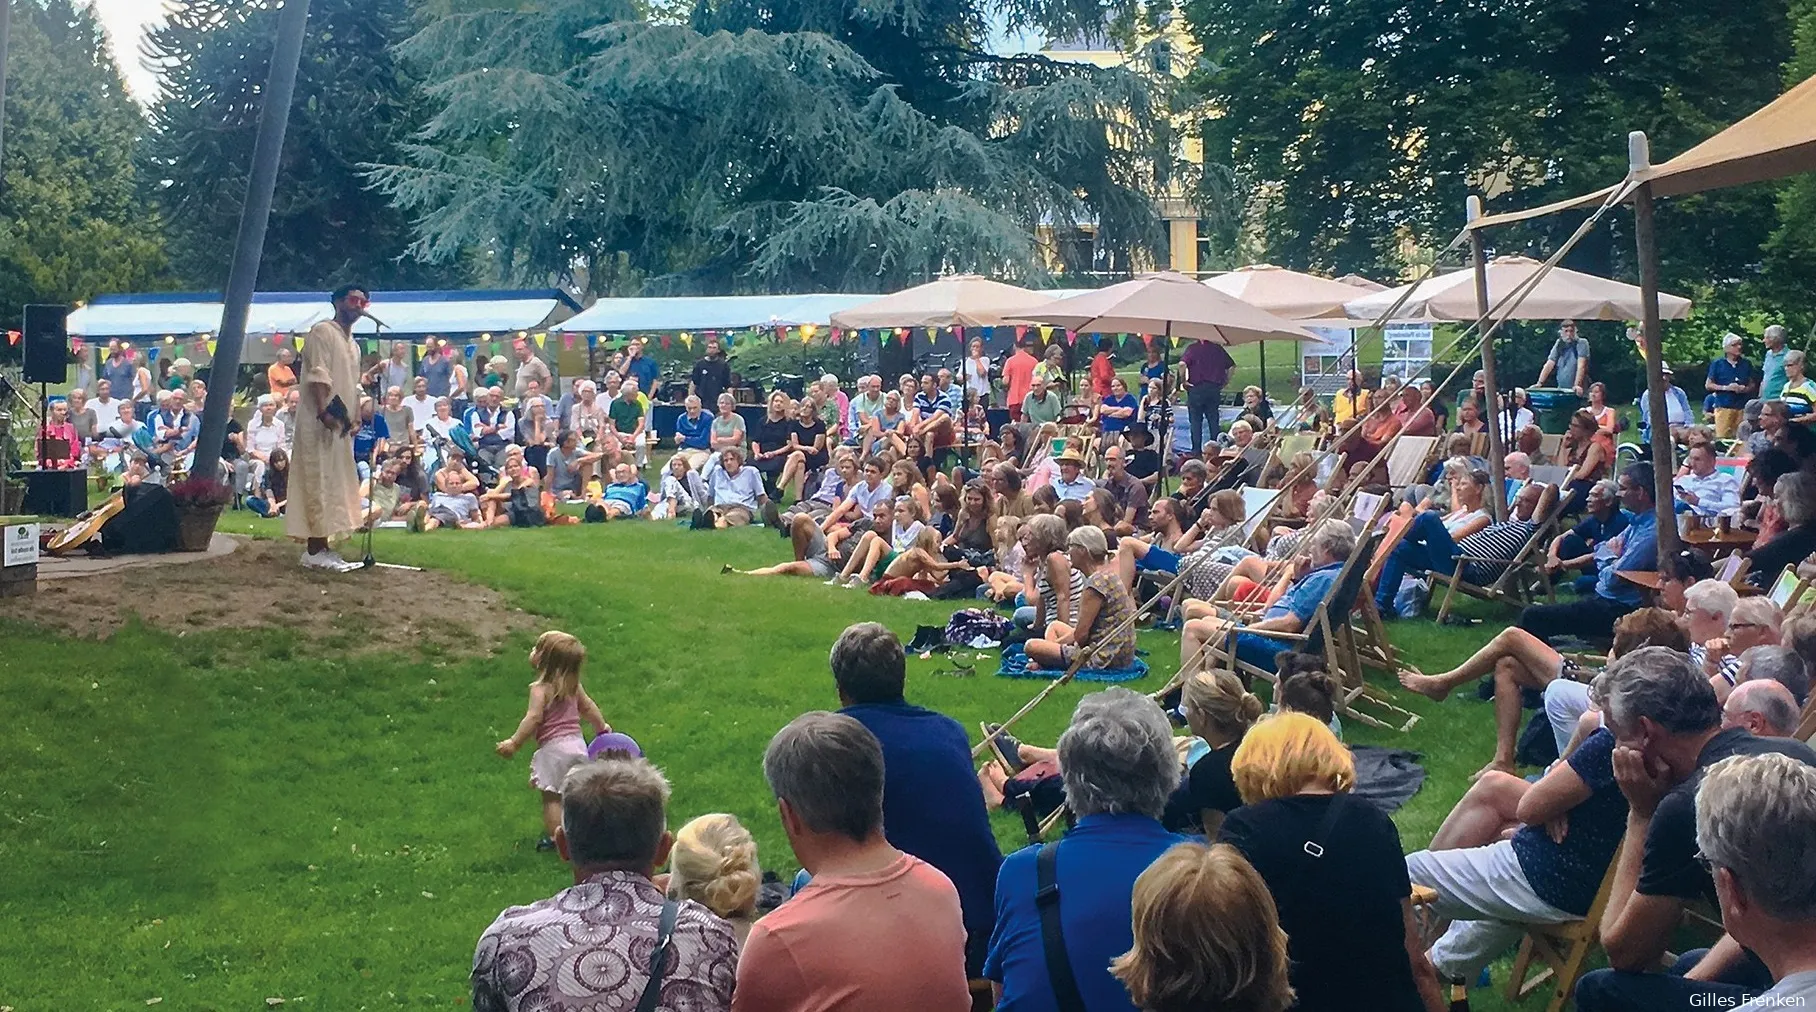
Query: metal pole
{"type": "Point", "coordinates": [1645, 238]}
{"type": "Point", "coordinates": [1497, 466]}
{"type": "Point", "coordinates": [255, 214]}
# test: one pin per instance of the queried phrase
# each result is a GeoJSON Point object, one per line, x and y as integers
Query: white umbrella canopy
{"type": "Point", "coordinates": [1292, 294]}
{"type": "Point", "coordinates": [1561, 295]}
{"type": "Point", "coordinates": [1358, 281]}
{"type": "Point", "coordinates": [962, 300]}
{"type": "Point", "coordinates": [1168, 304]}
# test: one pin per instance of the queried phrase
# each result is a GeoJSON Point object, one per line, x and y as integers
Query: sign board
{"type": "Point", "coordinates": [20, 545]}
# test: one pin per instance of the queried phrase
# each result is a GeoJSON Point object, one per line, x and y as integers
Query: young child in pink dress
{"type": "Point", "coordinates": [557, 702]}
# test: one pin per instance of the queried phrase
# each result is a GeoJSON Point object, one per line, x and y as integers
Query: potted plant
{"type": "Point", "coordinates": [199, 502]}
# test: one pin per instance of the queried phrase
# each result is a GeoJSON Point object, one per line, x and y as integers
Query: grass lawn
{"type": "Point", "coordinates": [218, 818]}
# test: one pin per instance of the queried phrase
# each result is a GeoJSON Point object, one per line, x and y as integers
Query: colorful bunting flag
{"type": "Point", "coordinates": [1071, 337]}
{"type": "Point", "coordinates": [687, 340]}
{"type": "Point", "coordinates": [211, 346]}
{"type": "Point", "coordinates": [959, 332]}
{"type": "Point", "coordinates": [933, 334]}
{"type": "Point", "coordinates": [592, 341]}
{"type": "Point", "coordinates": [1020, 332]}
{"type": "Point", "coordinates": [567, 341]}
{"type": "Point", "coordinates": [542, 340]}
{"type": "Point", "coordinates": [664, 342]}
{"type": "Point", "coordinates": [472, 350]}
{"type": "Point", "coordinates": [1046, 334]}
{"type": "Point", "coordinates": [151, 352]}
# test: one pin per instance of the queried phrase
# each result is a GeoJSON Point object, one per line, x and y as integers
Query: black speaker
{"type": "Point", "coordinates": [46, 344]}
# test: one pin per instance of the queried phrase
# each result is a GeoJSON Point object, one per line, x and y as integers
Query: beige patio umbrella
{"type": "Point", "coordinates": [1358, 281]}
{"type": "Point", "coordinates": [962, 300]}
{"type": "Point", "coordinates": [1168, 304]}
{"type": "Point", "coordinates": [1561, 295]}
{"type": "Point", "coordinates": [1292, 294]}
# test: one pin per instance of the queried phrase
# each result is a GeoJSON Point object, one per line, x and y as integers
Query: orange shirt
{"type": "Point", "coordinates": [1018, 376]}
{"type": "Point", "coordinates": [280, 378]}
{"type": "Point", "coordinates": [892, 939]}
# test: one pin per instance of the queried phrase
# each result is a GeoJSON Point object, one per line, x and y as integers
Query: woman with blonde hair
{"type": "Point", "coordinates": [1219, 712]}
{"type": "Point", "coordinates": [1047, 578]}
{"type": "Point", "coordinates": [1335, 868]}
{"type": "Point", "coordinates": [1105, 628]}
{"type": "Point", "coordinates": [1207, 936]}
{"type": "Point", "coordinates": [714, 863]}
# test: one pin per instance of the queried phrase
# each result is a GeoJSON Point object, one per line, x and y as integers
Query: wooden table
{"type": "Point", "coordinates": [1639, 578]}
{"type": "Point", "coordinates": [1716, 541]}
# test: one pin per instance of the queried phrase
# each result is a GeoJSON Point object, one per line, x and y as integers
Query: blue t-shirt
{"type": "Point", "coordinates": [1639, 552]}
{"type": "Point", "coordinates": [1723, 371]}
{"type": "Point", "coordinates": [1153, 371]}
{"type": "Point", "coordinates": [646, 371]}
{"type": "Point", "coordinates": [1594, 531]}
{"type": "Point", "coordinates": [934, 809]}
{"type": "Point", "coordinates": [633, 494]}
{"type": "Point", "coordinates": [1098, 863]}
{"type": "Point", "coordinates": [696, 434]}
{"type": "Point", "coordinates": [439, 371]}
{"type": "Point", "coordinates": [1302, 598]}
{"type": "Point", "coordinates": [368, 434]}
{"type": "Point", "coordinates": [1566, 875]}
{"type": "Point", "coordinates": [1119, 401]}
{"type": "Point", "coordinates": [1772, 378]}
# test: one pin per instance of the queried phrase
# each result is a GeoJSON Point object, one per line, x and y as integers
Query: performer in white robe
{"type": "Point", "coordinates": [324, 484]}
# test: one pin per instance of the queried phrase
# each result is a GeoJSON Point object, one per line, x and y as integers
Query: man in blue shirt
{"type": "Point", "coordinates": [369, 438]}
{"type": "Point", "coordinates": [933, 807]}
{"type": "Point", "coordinates": [1583, 546]}
{"type": "Point", "coordinates": [1328, 548]}
{"type": "Point", "coordinates": [174, 429]}
{"type": "Point", "coordinates": [438, 369]}
{"type": "Point", "coordinates": [641, 367]}
{"type": "Point", "coordinates": [1592, 616]}
{"type": "Point", "coordinates": [1730, 381]}
{"type": "Point", "coordinates": [1771, 368]}
{"type": "Point", "coordinates": [1117, 759]}
{"type": "Point", "coordinates": [693, 434]}
{"type": "Point", "coordinates": [627, 495]}
{"type": "Point", "coordinates": [1677, 410]}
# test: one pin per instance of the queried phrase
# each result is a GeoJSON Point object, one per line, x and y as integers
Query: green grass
{"type": "Point", "coordinates": [222, 817]}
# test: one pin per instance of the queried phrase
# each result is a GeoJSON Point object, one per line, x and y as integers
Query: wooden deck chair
{"type": "Point", "coordinates": [1258, 505]}
{"type": "Point", "coordinates": [1806, 728]}
{"type": "Point", "coordinates": [1409, 460]}
{"type": "Point", "coordinates": [1551, 445]}
{"type": "Point", "coordinates": [1561, 948]}
{"type": "Point", "coordinates": [1297, 443]}
{"type": "Point", "coordinates": [1790, 592]}
{"type": "Point", "coordinates": [1478, 444]}
{"type": "Point", "coordinates": [1733, 571]}
{"type": "Point", "coordinates": [1092, 440]}
{"type": "Point", "coordinates": [1550, 474]}
{"type": "Point", "coordinates": [1522, 578]}
{"type": "Point", "coordinates": [1364, 509]}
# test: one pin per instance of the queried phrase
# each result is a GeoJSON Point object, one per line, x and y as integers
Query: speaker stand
{"type": "Point", "coordinates": [43, 420]}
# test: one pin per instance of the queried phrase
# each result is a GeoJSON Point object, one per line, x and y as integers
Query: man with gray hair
{"type": "Point", "coordinates": [613, 920]}
{"type": "Point", "coordinates": [1764, 708]}
{"type": "Point", "coordinates": [1586, 546]}
{"type": "Point", "coordinates": [1756, 828]}
{"type": "Point", "coordinates": [1771, 366]}
{"type": "Point", "coordinates": [1326, 548]}
{"type": "Point", "coordinates": [1775, 664]}
{"type": "Point", "coordinates": [1667, 729]}
{"type": "Point", "coordinates": [874, 927]}
{"type": "Point", "coordinates": [1119, 766]}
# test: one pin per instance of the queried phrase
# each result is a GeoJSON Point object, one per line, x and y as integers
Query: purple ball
{"type": "Point", "coordinates": [614, 743]}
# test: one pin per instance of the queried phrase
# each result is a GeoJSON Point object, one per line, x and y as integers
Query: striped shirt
{"type": "Point", "coordinates": [1496, 541]}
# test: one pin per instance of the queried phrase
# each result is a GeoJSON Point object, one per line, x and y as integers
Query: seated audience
{"type": "Point", "coordinates": [1118, 764]}
{"type": "Point", "coordinates": [1585, 546]}
{"type": "Point", "coordinates": [1105, 630]}
{"type": "Point", "coordinates": [877, 549]}
{"type": "Point", "coordinates": [570, 468]}
{"type": "Point", "coordinates": [273, 491]}
{"type": "Point", "coordinates": [714, 863]}
{"type": "Point", "coordinates": [874, 926]}
{"type": "Point", "coordinates": [1773, 663]}
{"type": "Point", "coordinates": [1795, 497]}
{"type": "Point", "coordinates": [1334, 866]}
{"type": "Point", "coordinates": [735, 492]}
{"type": "Point", "coordinates": [1706, 490]}
{"type": "Point", "coordinates": [932, 805]}
{"type": "Point", "coordinates": [1219, 711]}
{"type": "Point", "coordinates": [1593, 616]}
{"type": "Point", "coordinates": [627, 496]}
{"type": "Point", "coordinates": [1130, 495]}
{"type": "Point", "coordinates": [1328, 547]}
{"type": "Point", "coordinates": [614, 833]}
{"type": "Point", "coordinates": [1207, 936]}
{"type": "Point", "coordinates": [1667, 729]}
{"type": "Point", "coordinates": [1431, 539]}
{"type": "Point", "coordinates": [1048, 578]}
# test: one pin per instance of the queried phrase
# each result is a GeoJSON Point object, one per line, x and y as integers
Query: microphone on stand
{"type": "Point", "coordinates": [380, 324]}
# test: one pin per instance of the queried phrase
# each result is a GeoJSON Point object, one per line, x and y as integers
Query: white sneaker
{"type": "Point", "coordinates": [328, 560]}
{"type": "Point", "coordinates": [835, 582]}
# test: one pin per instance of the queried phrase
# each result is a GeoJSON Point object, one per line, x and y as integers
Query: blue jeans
{"type": "Point", "coordinates": [1259, 650]}
{"type": "Point", "coordinates": [1201, 405]}
{"type": "Point", "coordinates": [1427, 545]}
{"type": "Point", "coordinates": [1619, 991]}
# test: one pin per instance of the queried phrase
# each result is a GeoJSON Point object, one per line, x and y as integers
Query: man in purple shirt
{"type": "Point", "coordinates": [1207, 370]}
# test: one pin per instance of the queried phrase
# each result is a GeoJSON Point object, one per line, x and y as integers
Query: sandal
{"type": "Point", "coordinates": [1005, 746]}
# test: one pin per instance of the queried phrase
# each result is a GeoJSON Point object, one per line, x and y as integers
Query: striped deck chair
{"type": "Point", "coordinates": [1523, 577]}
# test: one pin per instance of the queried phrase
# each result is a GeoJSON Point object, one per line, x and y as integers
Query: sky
{"type": "Point", "coordinates": [126, 22]}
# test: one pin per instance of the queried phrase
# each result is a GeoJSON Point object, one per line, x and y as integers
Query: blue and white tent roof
{"type": "Point", "coordinates": [406, 313]}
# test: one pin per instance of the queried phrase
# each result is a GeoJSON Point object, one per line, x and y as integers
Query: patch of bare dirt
{"type": "Point", "coordinates": [262, 585]}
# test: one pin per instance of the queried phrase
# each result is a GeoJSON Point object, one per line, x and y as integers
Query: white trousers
{"type": "Point", "coordinates": [1483, 891]}
{"type": "Point", "coordinates": [1565, 702]}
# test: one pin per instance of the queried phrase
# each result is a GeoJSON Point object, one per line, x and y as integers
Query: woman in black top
{"type": "Point", "coordinates": [1220, 711]}
{"type": "Point", "coordinates": [976, 520]}
{"type": "Point", "coordinates": [769, 445]}
{"type": "Point", "coordinates": [807, 448]}
{"type": "Point", "coordinates": [1795, 494]}
{"type": "Point", "coordinates": [1334, 865]}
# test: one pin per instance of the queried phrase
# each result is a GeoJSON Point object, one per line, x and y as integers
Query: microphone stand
{"type": "Point", "coordinates": [371, 561]}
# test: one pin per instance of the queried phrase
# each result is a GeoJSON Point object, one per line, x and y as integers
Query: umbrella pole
{"type": "Point", "coordinates": [1645, 238]}
{"type": "Point", "coordinates": [1166, 401]}
{"type": "Point", "coordinates": [1497, 467]}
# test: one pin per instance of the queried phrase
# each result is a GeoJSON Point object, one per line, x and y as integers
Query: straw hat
{"type": "Point", "coordinates": [1069, 457]}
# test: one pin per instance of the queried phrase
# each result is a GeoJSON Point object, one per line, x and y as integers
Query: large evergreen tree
{"type": "Point", "coordinates": [71, 226]}
{"type": "Point", "coordinates": [1367, 122]}
{"type": "Point", "coordinates": [1791, 251]}
{"type": "Point", "coordinates": [780, 146]}
{"type": "Point", "coordinates": [353, 105]}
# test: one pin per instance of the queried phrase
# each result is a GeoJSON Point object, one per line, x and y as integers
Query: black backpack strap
{"type": "Point", "coordinates": [658, 961]}
{"type": "Point", "coordinates": [1053, 939]}
{"type": "Point", "coordinates": [1315, 845]}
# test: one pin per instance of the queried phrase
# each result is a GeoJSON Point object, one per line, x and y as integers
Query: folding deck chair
{"type": "Point", "coordinates": [1522, 579]}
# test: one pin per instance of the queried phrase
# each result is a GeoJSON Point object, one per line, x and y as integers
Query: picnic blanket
{"type": "Point", "coordinates": [1015, 665]}
{"type": "Point", "coordinates": [1387, 777]}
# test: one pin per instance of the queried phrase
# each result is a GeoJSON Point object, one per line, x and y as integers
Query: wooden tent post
{"type": "Point", "coordinates": [1497, 451]}
{"type": "Point", "coordinates": [1645, 237]}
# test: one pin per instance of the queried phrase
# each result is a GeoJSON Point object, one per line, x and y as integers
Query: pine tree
{"type": "Point", "coordinates": [71, 226]}
{"type": "Point", "coordinates": [768, 146]}
{"type": "Point", "coordinates": [353, 105]}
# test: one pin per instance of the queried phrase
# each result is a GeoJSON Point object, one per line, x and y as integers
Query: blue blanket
{"type": "Point", "coordinates": [1015, 665]}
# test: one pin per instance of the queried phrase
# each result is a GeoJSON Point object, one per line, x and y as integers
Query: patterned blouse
{"type": "Point", "coordinates": [1112, 641]}
{"type": "Point", "coordinates": [589, 947]}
